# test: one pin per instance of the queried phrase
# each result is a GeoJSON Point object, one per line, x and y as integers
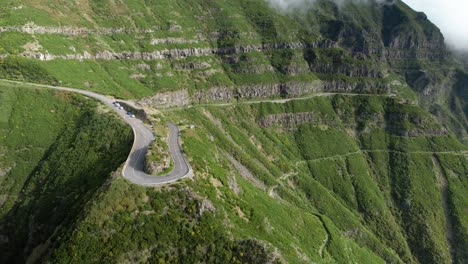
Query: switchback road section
{"type": "Point", "coordinates": [143, 137]}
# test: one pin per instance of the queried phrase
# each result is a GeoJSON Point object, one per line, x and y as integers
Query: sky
{"type": "Point", "coordinates": [451, 16]}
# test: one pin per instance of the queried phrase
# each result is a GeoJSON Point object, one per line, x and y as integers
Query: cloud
{"type": "Point", "coordinates": [284, 5]}
{"type": "Point", "coordinates": [450, 16]}
{"type": "Point", "coordinates": [293, 4]}
{"type": "Point", "coordinates": [287, 4]}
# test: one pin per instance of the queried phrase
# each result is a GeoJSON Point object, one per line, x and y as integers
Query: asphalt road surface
{"type": "Point", "coordinates": [143, 137]}
{"type": "Point", "coordinates": [133, 169]}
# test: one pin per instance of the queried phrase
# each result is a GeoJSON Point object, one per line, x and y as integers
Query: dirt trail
{"type": "Point", "coordinates": [324, 244]}
{"type": "Point", "coordinates": [443, 187]}
{"type": "Point", "coordinates": [245, 173]}
{"type": "Point", "coordinates": [277, 101]}
{"type": "Point", "coordinates": [326, 240]}
{"type": "Point", "coordinates": [362, 151]}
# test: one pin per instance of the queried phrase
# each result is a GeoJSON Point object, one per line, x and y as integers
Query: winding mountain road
{"type": "Point", "coordinates": [143, 137]}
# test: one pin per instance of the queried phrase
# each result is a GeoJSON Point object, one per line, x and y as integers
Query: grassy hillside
{"type": "Point", "coordinates": [56, 150]}
{"type": "Point", "coordinates": [374, 172]}
{"type": "Point", "coordinates": [135, 49]}
{"type": "Point", "coordinates": [360, 179]}
{"type": "Point", "coordinates": [176, 27]}
{"type": "Point", "coordinates": [350, 163]}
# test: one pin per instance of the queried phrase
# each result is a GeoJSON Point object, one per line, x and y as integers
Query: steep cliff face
{"type": "Point", "coordinates": [217, 51]}
{"type": "Point", "coordinates": [263, 91]}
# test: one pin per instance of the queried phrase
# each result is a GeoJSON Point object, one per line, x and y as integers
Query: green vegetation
{"type": "Point", "coordinates": [369, 48]}
{"type": "Point", "coordinates": [349, 172]}
{"type": "Point", "coordinates": [332, 179]}
{"type": "Point", "coordinates": [343, 186]}
{"type": "Point", "coordinates": [131, 223]}
{"type": "Point", "coordinates": [59, 149]}
{"type": "Point", "coordinates": [455, 170]}
{"type": "Point", "coordinates": [21, 69]}
{"type": "Point", "coordinates": [158, 159]}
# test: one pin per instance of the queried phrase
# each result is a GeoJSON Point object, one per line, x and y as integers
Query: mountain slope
{"type": "Point", "coordinates": [57, 149]}
{"type": "Point", "coordinates": [328, 134]}
{"type": "Point", "coordinates": [306, 179]}
{"type": "Point", "coordinates": [238, 49]}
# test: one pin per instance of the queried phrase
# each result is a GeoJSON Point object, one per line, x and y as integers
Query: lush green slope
{"type": "Point", "coordinates": [364, 162]}
{"type": "Point", "coordinates": [335, 179]}
{"type": "Point", "coordinates": [57, 199]}
{"type": "Point", "coordinates": [128, 223]}
{"type": "Point", "coordinates": [57, 149]}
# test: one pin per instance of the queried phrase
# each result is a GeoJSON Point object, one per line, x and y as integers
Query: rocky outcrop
{"type": "Point", "coordinates": [259, 91]}
{"type": "Point", "coordinates": [159, 41]}
{"type": "Point", "coordinates": [107, 55]}
{"type": "Point", "coordinates": [416, 45]}
{"type": "Point", "coordinates": [414, 125]}
{"type": "Point", "coordinates": [401, 54]}
{"type": "Point", "coordinates": [435, 42]}
{"type": "Point", "coordinates": [354, 70]}
{"type": "Point", "coordinates": [247, 65]}
{"type": "Point", "coordinates": [138, 112]}
{"type": "Point", "coordinates": [157, 166]}
{"type": "Point", "coordinates": [256, 91]}
{"type": "Point", "coordinates": [175, 53]}
{"type": "Point", "coordinates": [203, 204]}
{"type": "Point", "coordinates": [356, 87]}
{"type": "Point", "coordinates": [32, 28]}
{"type": "Point", "coordinates": [191, 66]}
{"type": "Point", "coordinates": [433, 132]}
{"type": "Point", "coordinates": [254, 69]}
{"type": "Point", "coordinates": [215, 94]}
{"type": "Point", "coordinates": [276, 46]}
{"type": "Point", "coordinates": [350, 70]}
{"type": "Point", "coordinates": [168, 99]}
{"type": "Point", "coordinates": [4, 171]}
{"type": "Point", "coordinates": [287, 120]}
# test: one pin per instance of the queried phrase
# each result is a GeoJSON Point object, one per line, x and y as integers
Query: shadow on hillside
{"type": "Point", "coordinates": [58, 189]}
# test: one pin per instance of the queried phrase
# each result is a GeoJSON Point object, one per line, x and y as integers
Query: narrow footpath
{"type": "Point", "coordinates": [443, 187]}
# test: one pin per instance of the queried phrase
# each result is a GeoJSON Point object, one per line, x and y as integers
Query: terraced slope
{"type": "Point", "coordinates": [225, 50]}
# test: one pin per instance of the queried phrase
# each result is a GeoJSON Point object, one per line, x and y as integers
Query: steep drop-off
{"type": "Point", "coordinates": [56, 150]}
